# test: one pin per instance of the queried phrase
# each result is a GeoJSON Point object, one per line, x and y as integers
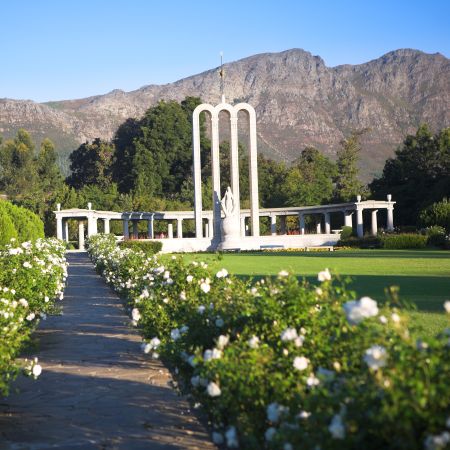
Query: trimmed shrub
{"type": "Point", "coordinates": [28, 225]}
{"type": "Point", "coordinates": [436, 214]}
{"type": "Point", "coordinates": [346, 232]}
{"type": "Point", "coordinates": [403, 241]}
{"type": "Point", "coordinates": [364, 242]}
{"type": "Point", "coordinates": [436, 236]}
{"type": "Point", "coordinates": [7, 228]}
{"type": "Point", "coordinates": [148, 247]}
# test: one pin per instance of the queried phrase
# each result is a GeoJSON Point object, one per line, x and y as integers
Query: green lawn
{"type": "Point", "coordinates": [423, 276]}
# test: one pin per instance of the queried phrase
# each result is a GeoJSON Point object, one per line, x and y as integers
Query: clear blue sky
{"type": "Point", "coordinates": [63, 49]}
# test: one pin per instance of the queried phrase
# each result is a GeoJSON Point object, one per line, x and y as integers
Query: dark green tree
{"type": "Point", "coordinates": [418, 175]}
{"type": "Point", "coordinates": [347, 185]}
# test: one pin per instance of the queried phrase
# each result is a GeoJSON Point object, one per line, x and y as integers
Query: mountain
{"type": "Point", "coordinates": [298, 99]}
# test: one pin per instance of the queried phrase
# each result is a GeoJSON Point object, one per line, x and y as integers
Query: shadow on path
{"type": "Point", "coordinates": [97, 390]}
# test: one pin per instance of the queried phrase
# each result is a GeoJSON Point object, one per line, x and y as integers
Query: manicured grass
{"type": "Point", "coordinates": [423, 276]}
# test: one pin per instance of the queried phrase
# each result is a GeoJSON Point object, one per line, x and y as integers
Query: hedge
{"type": "Point", "coordinates": [284, 364]}
{"type": "Point", "coordinates": [148, 247]}
{"type": "Point", "coordinates": [403, 241]}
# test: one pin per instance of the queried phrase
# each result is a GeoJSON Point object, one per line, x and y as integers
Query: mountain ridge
{"type": "Point", "coordinates": [299, 101]}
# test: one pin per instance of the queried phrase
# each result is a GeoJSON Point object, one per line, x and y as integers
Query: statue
{"type": "Point", "coordinates": [230, 223]}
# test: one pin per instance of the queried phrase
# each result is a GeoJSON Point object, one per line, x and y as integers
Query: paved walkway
{"type": "Point", "coordinates": [97, 390]}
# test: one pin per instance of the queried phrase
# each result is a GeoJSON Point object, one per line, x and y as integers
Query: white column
{"type": "Point", "coordinates": [66, 230]}
{"type": "Point", "coordinates": [150, 232]}
{"type": "Point", "coordinates": [215, 168]}
{"type": "Point", "coordinates": [318, 224]}
{"type": "Point", "coordinates": [106, 226]}
{"type": "Point", "coordinates": [81, 235]}
{"type": "Point", "coordinates": [170, 230]}
{"type": "Point", "coordinates": [243, 233]}
{"type": "Point", "coordinates": [359, 222]}
{"type": "Point", "coordinates": [92, 225]}
{"type": "Point", "coordinates": [327, 223]}
{"type": "Point", "coordinates": [283, 224]}
{"type": "Point", "coordinates": [234, 162]}
{"type": "Point", "coordinates": [374, 222]}
{"type": "Point", "coordinates": [179, 228]}
{"type": "Point", "coordinates": [390, 218]}
{"type": "Point", "coordinates": [197, 172]}
{"type": "Point", "coordinates": [59, 228]}
{"type": "Point", "coordinates": [301, 219]}
{"type": "Point", "coordinates": [348, 218]}
{"type": "Point", "coordinates": [273, 225]}
{"type": "Point", "coordinates": [210, 228]}
{"type": "Point", "coordinates": [126, 229]}
{"type": "Point", "coordinates": [135, 229]}
{"type": "Point", "coordinates": [253, 178]}
{"type": "Point", "coordinates": [207, 229]}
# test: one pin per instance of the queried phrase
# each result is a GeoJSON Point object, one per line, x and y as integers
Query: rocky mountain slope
{"type": "Point", "coordinates": [298, 99]}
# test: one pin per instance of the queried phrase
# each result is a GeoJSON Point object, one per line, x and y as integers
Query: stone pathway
{"type": "Point", "coordinates": [97, 390]}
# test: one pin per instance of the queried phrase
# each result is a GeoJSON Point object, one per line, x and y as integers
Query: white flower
{"type": "Point", "coordinates": [146, 347]}
{"type": "Point", "coordinates": [189, 278]}
{"type": "Point", "coordinates": [358, 310]}
{"type": "Point", "coordinates": [283, 273]}
{"type": "Point", "coordinates": [222, 341]}
{"type": "Point", "coordinates": [30, 317]}
{"type": "Point", "coordinates": [175, 334]}
{"type": "Point", "coordinates": [231, 437]}
{"type": "Point", "coordinates": [37, 370]}
{"type": "Point", "coordinates": [289, 334]}
{"type": "Point", "coordinates": [222, 273]}
{"type": "Point", "coordinates": [253, 342]}
{"type": "Point", "coordinates": [270, 433]}
{"type": "Point", "coordinates": [219, 322]}
{"type": "Point", "coordinates": [213, 389]}
{"type": "Point", "coordinates": [135, 315]}
{"type": "Point", "coordinates": [23, 302]}
{"type": "Point", "coordinates": [274, 411]}
{"type": "Point", "coordinates": [205, 287]}
{"type": "Point", "coordinates": [46, 299]}
{"type": "Point", "coordinates": [303, 415]}
{"type": "Point", "coordinates": [155, 342]}
{"type": "Point", "coordinates": [447, 306]}
{"type": "Point", "coordinates": [325, 275]}
{"type": "Point", "coordinates": [217, 438]}
{"type": "Point", "coordinates": [299, 341]}
{"type": "Point", "coordinates": [395, 317]}
{"type": "Point", "coordinates": [336, 427]}
{"type": "Point", "coordinates": [437, 442]}
{"type": "Point", "coordinates": [184, 329]}
{"type": "Point", "coordinates": [201, 309]}
{"type": "Point", "coordinates": [300, 362]}
{"type": "Point", "coordinates": [319, 291]}
{"type": "Point", "coordinates": [212, 354]}
{"type": "Point", "coordinates": [183, 295]}
{"type": "Point", "coordinates": [375, 357]}
{"type": "Point", "coordinates": [383, 320]}
{"type": "Point", "coordinates": [27, 265]}
{"type": "Point", "coordinates": [312, 381]}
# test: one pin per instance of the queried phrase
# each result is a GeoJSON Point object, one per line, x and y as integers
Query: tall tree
{"type": "Point", "coordinates": [418, 175]}
{"type": "Point", "coordinates": [310, 180]}
{"type": "Point", "coordinates": [348, 185]}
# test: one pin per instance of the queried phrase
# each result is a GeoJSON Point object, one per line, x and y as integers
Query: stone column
{"type": "Point", "coordinates": [106, 226]}
{"type": "Point", "coordinates": [243, 233]}
{"type": "Point", "coordinates": [126, 229]}
{"type": "Point", "coordinates": [66, 230]}
{"type": "Point", "coordinates": [327, 223]}
{"type": "Point", "coordinates": [59, 228]}
{"type": "Point", "coordinates": [234, 161]}
{"type": "Point", "coordinates": [374, 222]}
{"type": "Point", "coordinates": [359, 222]}
{"type": "Point", "coordinates": [150, 232]}
{"type": "Point", "coordinates": [92, 225]}
{"type": "Point", "coordinates": [390, 218]}
{"type": "Point", "coordinates": [170, 230]}
{"type": "Point", "coordinates": [81, 235]}
{"type": "Point", "coordinates": [179, 228]}
{"type": "Point", "coordinates": [301, 221]}
{"type": "Point", "coordinates": [273, 225]}
{"type": "Point", "coordinates": [348, 219]}
{"type": "Point", "coordinates": [210, 228]}
{"type": "Point", "coordinates": [207, 229]}
{"type": "Point", "coordinates": [253, 179]}
{"type": "Point", "coordinates": [215, 168]}
{"type": "Point", "coordinates": [318, 224]}
{"type": "Point", "coordinates": [135, 229]}
{"type": "Point", "coordinates": [283, 224]}
{"type": "Point", "coordinates": [197, 172]}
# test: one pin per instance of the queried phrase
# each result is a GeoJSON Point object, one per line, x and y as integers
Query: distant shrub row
{"type": "Point", "coordinates": [18, 223]}
{"type": "Point", "coordinates": [148, 247]}
{"type": "Point", "coordinates": [388, 241]}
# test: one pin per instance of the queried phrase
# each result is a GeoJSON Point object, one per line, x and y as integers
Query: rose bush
{"type": "Point", "coordinates": [32, 277]}
{"type": "Point", "coordinates": [283, 364]}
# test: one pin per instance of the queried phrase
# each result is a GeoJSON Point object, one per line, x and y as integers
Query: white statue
{"type": "Point", "coordinates": [230, 223]}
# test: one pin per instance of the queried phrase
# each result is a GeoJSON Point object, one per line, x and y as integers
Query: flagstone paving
{"type": "Point", "coordinates": [97, 390]}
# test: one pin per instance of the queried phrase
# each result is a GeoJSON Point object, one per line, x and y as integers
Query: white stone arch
{"type": "Point", "coordinates": [215, 164]}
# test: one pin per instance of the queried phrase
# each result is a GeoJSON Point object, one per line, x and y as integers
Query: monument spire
{"type": "Point", "coordinates": [222, 79]}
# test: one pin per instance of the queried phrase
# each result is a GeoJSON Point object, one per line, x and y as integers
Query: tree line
{"type": "Point", "coordinates": [148, 166]}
